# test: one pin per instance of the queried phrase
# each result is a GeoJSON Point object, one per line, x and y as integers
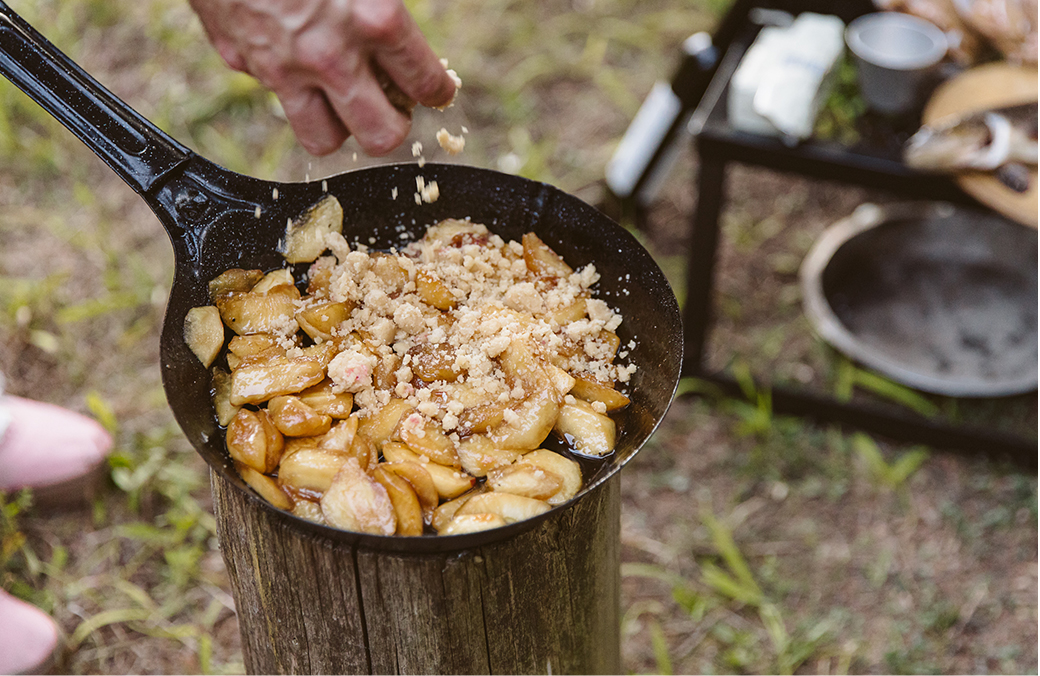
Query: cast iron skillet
{"type": "Point", "coordinates": [210, 214]}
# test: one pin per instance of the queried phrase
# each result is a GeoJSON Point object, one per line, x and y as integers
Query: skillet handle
{"type": "Point", "coordinates": [138, 151]}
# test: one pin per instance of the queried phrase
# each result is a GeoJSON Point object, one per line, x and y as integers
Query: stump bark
{"type": "Point", "coordinates": [544, 601]}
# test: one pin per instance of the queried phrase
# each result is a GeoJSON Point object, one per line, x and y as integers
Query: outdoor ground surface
{"type": "Point", "coordinates": [751, 542]}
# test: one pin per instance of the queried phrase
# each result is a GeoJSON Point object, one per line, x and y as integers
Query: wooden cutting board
{"type": "Point", "coordinates": [992, 85]}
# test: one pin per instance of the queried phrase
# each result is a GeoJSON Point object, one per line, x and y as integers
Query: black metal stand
{"type": "Point", "coordinates": [718, 145]}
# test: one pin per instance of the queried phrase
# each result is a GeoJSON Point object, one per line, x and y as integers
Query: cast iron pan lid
{"type": "Point", "coordinates": [937, 297]}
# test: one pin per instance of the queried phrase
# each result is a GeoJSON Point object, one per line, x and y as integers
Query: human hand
{"type": "Point", "coordinates": [327, 60]}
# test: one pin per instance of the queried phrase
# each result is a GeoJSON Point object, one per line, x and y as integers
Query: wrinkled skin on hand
{"type": "Point", "coordinates": [323, 58]}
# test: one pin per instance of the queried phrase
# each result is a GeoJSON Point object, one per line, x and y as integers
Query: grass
{"type": "Point", "coordinates": [751, 542]}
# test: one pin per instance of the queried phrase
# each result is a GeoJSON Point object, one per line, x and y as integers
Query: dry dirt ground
{"type": "Point", "coordinates": [751, 542]}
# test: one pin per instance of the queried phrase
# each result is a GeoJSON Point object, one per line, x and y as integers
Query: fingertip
{"type": "Point", "coordinates": [321, 147]}
{"type": "Point", "coordinates": [376, 125]}
{"type": "Point", "coordinates": [385, 140]}
{"type": "Point", "coordinates": [316, 125]}
{"type": "Point", "coordinates": [441, 92]}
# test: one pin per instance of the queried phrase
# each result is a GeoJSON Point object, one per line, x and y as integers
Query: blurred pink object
{"type": "Point", "coordinates": [28, 638]}
{"type": "Point", "coordinates": [56, 452]}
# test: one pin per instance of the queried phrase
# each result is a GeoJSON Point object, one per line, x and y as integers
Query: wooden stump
{"type": "Point", "coordinates": [545, 601]}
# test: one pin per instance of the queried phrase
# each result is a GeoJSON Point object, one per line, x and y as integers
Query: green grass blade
{"type": "Point", "coordinates": [722, 538]}
{"type": "Point", "coordinates": [105, 618]}
{"type": "Point", "coordinates": [883, 387]}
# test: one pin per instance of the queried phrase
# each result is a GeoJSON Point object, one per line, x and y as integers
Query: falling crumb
{"type": "Point", "coordinates": [274, 193]}
{"type": "Point", "coordinates": [354, 157]}
{"type": "Point", "coordinates": [257, 212]}
{"type": "Point", "coordinates": [324, 186]}
{"type": "Point", "coordinates": [454, 78]}
{"type": "Point", "coordinates": [465, 129]}
{"type": "Point", "coordinates": [451, 144]}
{"type": "Point", "coordinates": [428, 192]}
{"type": "Point", "coordinates": [393, 193]}
{"type": "Point", "coordinates": [417, 149]}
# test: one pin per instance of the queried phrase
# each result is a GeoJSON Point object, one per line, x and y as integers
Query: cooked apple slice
{"type": "Point", "coordinates": [356, 502]}
{"type": "Point", "coordinates": [479, 455]}
{"type": "Point", "coordinates": [235, 279]}
{"type": "Point", "coordinates": [434, 292]}
{"type": "Point", "coordinates": [305, 236]}
{"type": "Point", "coordinates": [255, 384]}
{"type": "Point", "coordinates": [309, 510]}
{"type": "Point", "coordinates": [566, 469]}
{"type": "Point", "coordinates": [448, 482]}
{"type": "Point", "coordinates": [310, 470]}
{"type": "Point", "coordinates": [588, 432]}
{"type": "Point", "coordinates": [319, 276]}
{"type": "Point", "coordinates": [204, 333]}
{"type": "Point", "coordinates": [569, 313]}
{"type": "Point", "coordinates": [590, 390]}
{"type": "Point", "coordinates": [444, 514]}
{"type": "Point", "coordinates": [253, 440]}
{"type": "Point", "coordinates": [433, 361]}
{"type": "Point", "coordinates": [527, 480]}
{"type": "Point", "coordinates": [272, 280]}
{"type": "Point", "coordinates": [272, 312]}
{"type": "Point", "coordinates": [510, 507]}
{"type": "Point", "coordinates": [265, 486]}
{"type": "Point", "coordinates": [381, 425]}
{"type": "Point", "coordinates": [403, 498]}
{"type": "Point", "coordinates": [473, 523]}
{"type": "Point", "coordinates": [318, 321]}
{"type": "Point", "coordinates": [541, 259]}
{"type": "Point", "coordinates": [420, 481]}
{"type": "Point", "coordinates": [226, 411]}
{"type": "Point", "coordinates": [322, 399]}
{"type": "Point", "coordinates": [530, 423]}
{"type": "Point", "coordinates": [251, 345]}
{"type": "Point", "coordinates": [294, 418]}
{"type": "Point", "coordinates": [429, 439]}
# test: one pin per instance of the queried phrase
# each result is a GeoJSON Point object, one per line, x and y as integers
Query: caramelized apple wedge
{"type": "Point", "coordinates": [591, 390]}
{"type": "Point", "coordinates": [253, 440]}
{"type": "Point", "coordinates": [421, 482]}
{"type": "Point", "coordinates": [448, 482]}
{"type": "Point", "coordinates": [326, 401]}
{"type": "Point", "coordinates": [282, 375]}
{"type": "Point", "coordinates": [542, 260]}
{"type": "Point", "coordinates": [587, 431]}
{"type": "Point", "coordinates": [567, 470]}
{"type": "Point", "coordinates": [473, 523]}
{"type": "Point", "coordinates": [310, 470]}
{"type": "Point", "coordinates": [305, 236]}
{"type": "Point", "coordinates": [293, 418]}
{"type": "Point", "coordinates": [357, 502]}
{"type": "Point", "coordinates": [225, 410]}
{"type": "Point", "coordinates": [510, 507]}
{"type": "Point", "coordinates": [235, 279]}
{"type": "Point", "coordinates": [265, 486]}
{"type": "Point", "coordinates": [527, 480]}
{"type": "Point", "coordinates": [479, 455]}
{"type": "Point", "coordinates": [249, 312]}
{"type": "Point", "coordinates": [403, 498]}
{"type": "Point", "coordinates": [204, 333]}
{"type": "Point", "coordinates": [319, 321]}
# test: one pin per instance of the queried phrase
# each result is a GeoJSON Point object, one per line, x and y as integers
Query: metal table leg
{"type": "Point", "coordinates": [700, 265]}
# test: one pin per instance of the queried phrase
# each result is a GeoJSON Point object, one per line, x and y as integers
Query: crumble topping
{"type": "Point", "coordinates": [458, 299]}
